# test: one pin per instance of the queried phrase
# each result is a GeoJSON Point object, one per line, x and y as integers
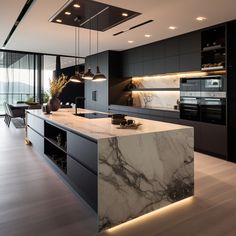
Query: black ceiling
{"type": "Point", "coordinates": [92, 15]}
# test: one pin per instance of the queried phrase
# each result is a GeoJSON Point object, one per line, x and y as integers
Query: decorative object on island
{"type": "Point", "coordinates": [129, 124]}
{"type": "Point", "coordinates": [46, 108]}
{"type": "Point", "coordinates": [77, 77]}
{"type": "Point", "coordinates": [98, 76]}
{"type": "Point", "coordinates": [117, 119]}
{"type": "Point", "coordinates": [56, 87]}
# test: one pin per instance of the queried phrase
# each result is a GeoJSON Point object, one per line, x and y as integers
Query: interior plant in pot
{"type": "Point", "coordinates": [56, 87]}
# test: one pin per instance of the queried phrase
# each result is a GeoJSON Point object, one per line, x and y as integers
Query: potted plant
{"type": "Point", "coordinates": [56, 87]}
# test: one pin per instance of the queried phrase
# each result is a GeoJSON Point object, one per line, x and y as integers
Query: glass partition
{"type": "Point", "coordinates": [17, 78]}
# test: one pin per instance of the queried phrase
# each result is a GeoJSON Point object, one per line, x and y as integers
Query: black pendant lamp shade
{"type": "Point", "coordinates": [88, 75]}
{"type": "Point", "coordinates": [99, 76]}
{"type": "Point", "coordinates": [77, 77]}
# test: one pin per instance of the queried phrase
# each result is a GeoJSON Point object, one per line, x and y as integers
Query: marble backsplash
{"type": "Point", "coordinates": [152, 99]}
{"type": "Point", "coordinates": [155, 99]}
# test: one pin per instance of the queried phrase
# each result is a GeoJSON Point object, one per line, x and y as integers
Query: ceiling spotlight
{"type": "Point", "coordinates": [67, 13]}
{"type": "Point", "coordinates": [201, 18]}
{"type": "Point", "coordinates": [147, 35]}
{"type": "Point", "coordinates": [76, 5]}
{"type": "Point", "coordinates": [3, 47]}
{"type": "Point", "coordinates": [130, 41]}
{"type": "Point", "coordinates": [172, 27]}
{"type": "Point", "coordinates": [58, 20]}
{"type": "Point", "coordinates": [125, 14]}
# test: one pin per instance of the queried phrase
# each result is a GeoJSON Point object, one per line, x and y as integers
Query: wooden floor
{"type": "Point", "coordinates": [35, 201]}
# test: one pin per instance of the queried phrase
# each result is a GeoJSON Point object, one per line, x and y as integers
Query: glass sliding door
{"type": "Point", "coordinates": [17, 78]}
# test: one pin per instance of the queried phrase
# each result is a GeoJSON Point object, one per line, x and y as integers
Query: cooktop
{"type": "Point", "coordinates": [93, 115]}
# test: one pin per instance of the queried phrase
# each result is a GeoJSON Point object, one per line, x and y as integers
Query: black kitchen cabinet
{"type": "Point", "coordinates": [84, 181]}
{"type": "Point", "coordinates": [158, 66]}
{"type": "Point", "coordinates": [82, 150]}
{"type": "Point", "coordinates": [231, 90]}
{"type": "Point", "coordinates": [73, 156]}
{"type": "Point", "coordinates": [110, 66]}
{"type": "Point", "coordinates": [172, 47]}
{"type": "Point", "coordinates": [190, 62]}
{"type": "Point", "coordinates": [190, 43]}
{"type": "Point", "coordinates": [177, 54]}
{"type": "Point", "coordinates": [172, 64]}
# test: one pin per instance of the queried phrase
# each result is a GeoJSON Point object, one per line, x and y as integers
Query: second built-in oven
{"type": "Point", "coordinates": [189, 108]}
{"type": "Point", "coordinates": [213, 110]}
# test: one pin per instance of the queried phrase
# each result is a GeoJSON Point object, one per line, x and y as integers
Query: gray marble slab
{"type": "Point", "coordinates": [142, 173]}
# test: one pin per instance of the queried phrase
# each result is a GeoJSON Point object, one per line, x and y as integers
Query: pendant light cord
{"type": "Point", "coordinates": [75, 47]}
{"type": "Point", "coordinates": [89, 37]}
{"type": "Point", "coordinates": [97, 40]}
{"type": "Point", "coordinates": [78, 45]}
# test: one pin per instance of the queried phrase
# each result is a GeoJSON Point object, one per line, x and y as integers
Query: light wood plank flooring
{"type": "Point", "coordinates": [35, 201]}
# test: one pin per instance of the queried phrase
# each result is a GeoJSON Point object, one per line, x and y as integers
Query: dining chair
{"type": "Point", "coordinates": [13, 113]}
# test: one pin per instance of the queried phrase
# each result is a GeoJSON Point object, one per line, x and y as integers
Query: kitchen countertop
{"type": "Point", "coordinates": [151, 108]}
{"type": "Point", "coordinates": [101, 127]}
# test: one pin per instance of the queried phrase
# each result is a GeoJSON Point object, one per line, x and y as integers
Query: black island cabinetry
{"type": "Point", "coordinates": [72, 155]}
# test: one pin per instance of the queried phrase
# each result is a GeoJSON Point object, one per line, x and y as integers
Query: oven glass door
{"type": "Point", "coordinates": [212, 84]}
{"type": "Point", "coordinates": [213, 114]}
{"type": "Point", "coordinates": [188, 84]}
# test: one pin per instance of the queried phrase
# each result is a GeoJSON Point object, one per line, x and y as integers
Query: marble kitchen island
{"type": "Point", "coordinates": [121, 173]}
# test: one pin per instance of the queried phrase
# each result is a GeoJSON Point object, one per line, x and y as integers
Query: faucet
{"type": "Point", "coordinates": [78, 103]}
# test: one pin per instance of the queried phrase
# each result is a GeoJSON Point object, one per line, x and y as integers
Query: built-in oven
{"type": "Point", "coordinates": [215, 83]}
{"type": "Point", "coordinates": [190, 84]}
{"type": "Point", "coordinates": [189, 108]}
{"type": "Point", "coordinates": [213, 110]}
{"type": "Point", "coordinates": [203, 99]}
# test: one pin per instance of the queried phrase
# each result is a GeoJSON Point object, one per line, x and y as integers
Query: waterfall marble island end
{"type": "Point", "coordinates": [122, 174]}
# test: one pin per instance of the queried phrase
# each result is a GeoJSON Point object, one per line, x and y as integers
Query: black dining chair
{"type": "Point", "coordinates": [12, 113]}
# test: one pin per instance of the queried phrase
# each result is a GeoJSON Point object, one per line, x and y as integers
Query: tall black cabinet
{"type": "Point", "coordinates": [231, 89]}
{"type": "Point", "coordinates": [99, 94]}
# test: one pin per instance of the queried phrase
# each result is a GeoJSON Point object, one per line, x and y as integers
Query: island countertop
{"type": "Point", "coordinates": [100, 128]}
{"type": "Point", "coordinates": [114, 169]}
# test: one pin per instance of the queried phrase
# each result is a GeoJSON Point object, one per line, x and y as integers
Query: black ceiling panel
{"type": "Point", "coordinates": [92, 15]}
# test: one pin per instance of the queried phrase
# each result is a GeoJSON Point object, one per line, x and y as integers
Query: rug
{"type": "Point", "coordinates": [18, 123]}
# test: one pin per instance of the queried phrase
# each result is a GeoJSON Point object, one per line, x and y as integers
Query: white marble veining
{"type": "Point", "coordinates": [102, 127]}
{"type": "Point", "coordinates": [170, 81]}
{"type": "Point", "coordinates": [142, 173]}
{"type": "Point", "coordinates": [165, 99]}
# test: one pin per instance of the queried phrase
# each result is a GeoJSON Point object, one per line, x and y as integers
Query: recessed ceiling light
{"type": "Point", "coordinates": [201, 18]}
{"type": "Point", "coordinates": [67, 13]}
{"type": "Point", "coordinates": [130, 41]}
{"type": "Point", "coordinates": [76, 5]}
{"type": "Point", "coordinates": [172, 27]}
{"type": "Point", "coordinates": [58, 20]}
{"type": "Point", "coordinates": [2, 47]}
{"type": "Point", "coordinates": [147, 35]}
{"type": "Point", "coordinates": [124, 14]}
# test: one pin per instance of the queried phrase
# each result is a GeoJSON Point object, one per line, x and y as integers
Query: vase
{"type": "Point", "coordinates": [54, 103]}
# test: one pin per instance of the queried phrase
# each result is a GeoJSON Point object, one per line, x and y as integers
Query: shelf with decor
{"type": "Point", "coordinates": [213, 49]}
{"type": "Point", "coordinates": [55, 145]}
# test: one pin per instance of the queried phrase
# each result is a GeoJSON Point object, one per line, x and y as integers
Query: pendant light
{"type": "Point", "coordinates": [77, 77]}
{"type": "Point", "coordinates": [98, 76]}
{"type": "Point", "coordinates": [89, 75]}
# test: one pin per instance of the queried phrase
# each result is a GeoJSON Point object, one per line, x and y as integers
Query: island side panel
{"type": "Point", "coordinates": [142, 173]}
